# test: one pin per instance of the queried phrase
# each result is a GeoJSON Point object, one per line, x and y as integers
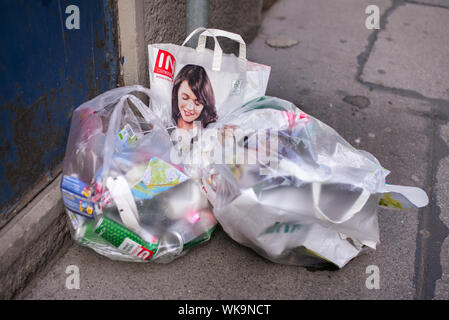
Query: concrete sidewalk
{"type": "Point", "coordinates": [387, 92]}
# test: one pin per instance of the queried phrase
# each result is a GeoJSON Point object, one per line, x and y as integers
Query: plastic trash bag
{"type": "Point", "coordinates": [123, 196]}
{"type": "Point", "coordinates": [302, 194]}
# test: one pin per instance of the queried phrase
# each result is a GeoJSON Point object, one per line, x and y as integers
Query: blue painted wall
{"type": "Point", "coordinates": [46, 71]}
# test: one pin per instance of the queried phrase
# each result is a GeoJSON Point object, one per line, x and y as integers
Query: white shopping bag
{"type": "Point", "coordinates": [202, 85]}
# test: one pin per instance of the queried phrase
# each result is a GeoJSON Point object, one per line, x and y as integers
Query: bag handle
{"type": "Point", "coordinates": [221, 33]}
{"type": "Point", "coordinates": [218, 52]}
{"type": "Point", "coordinates": [126, 206]}
{"type": "Point", "coordinates": [194, 32]}
{"type": "Point", "coordinates": [356, 207]}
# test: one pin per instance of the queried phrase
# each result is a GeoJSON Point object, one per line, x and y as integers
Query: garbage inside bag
{"type": "Point", "coordinates": [295, 191]}
{"type": "Point", "coordinates": [124, 198]}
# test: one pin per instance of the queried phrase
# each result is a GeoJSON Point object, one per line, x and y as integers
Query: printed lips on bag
{"type": "Point", "coordinates": [202, 85]}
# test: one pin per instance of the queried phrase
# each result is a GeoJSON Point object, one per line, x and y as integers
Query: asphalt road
{"type": "Point", "coordinates": [403, 120]}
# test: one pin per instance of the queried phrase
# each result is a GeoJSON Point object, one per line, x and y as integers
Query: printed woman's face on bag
{"type": "Point", "coordinates": [193, 99]}
{"type": "Point", "coordinates": [188, 104]}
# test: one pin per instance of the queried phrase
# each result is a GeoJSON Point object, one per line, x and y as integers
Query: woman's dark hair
{"type": "Point", "coordinates": [200, 84]}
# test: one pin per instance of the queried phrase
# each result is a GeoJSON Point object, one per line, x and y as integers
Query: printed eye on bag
{"type": "Point", "coordinates": [202, 85]}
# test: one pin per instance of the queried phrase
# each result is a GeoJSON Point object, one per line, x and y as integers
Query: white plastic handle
{"type": "Point", "coordinates": [221, 33]}
{"type": "Point", "coordinates": [123, 198]}
{"type": "Point", "coordinates": [194, 32]}
{"type": "Point", "coordinates": [218, 52]}
{"type": "Point", "coordinates": [356, 207]}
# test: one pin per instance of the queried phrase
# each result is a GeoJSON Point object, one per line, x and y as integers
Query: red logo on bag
{"type": "Point", "coordinates": [165, 64]}
{"type": "Point", "coordinates": [142, 253]}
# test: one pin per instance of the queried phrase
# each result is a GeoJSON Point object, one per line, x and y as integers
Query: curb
{"type": "Point", "coordinates": [32, 239]}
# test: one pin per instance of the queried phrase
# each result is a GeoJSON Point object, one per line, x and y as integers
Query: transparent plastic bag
{"type": "Point", "coordinates": [303, 195]}
{"type": "Point", "coordinates": [123, 196]}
